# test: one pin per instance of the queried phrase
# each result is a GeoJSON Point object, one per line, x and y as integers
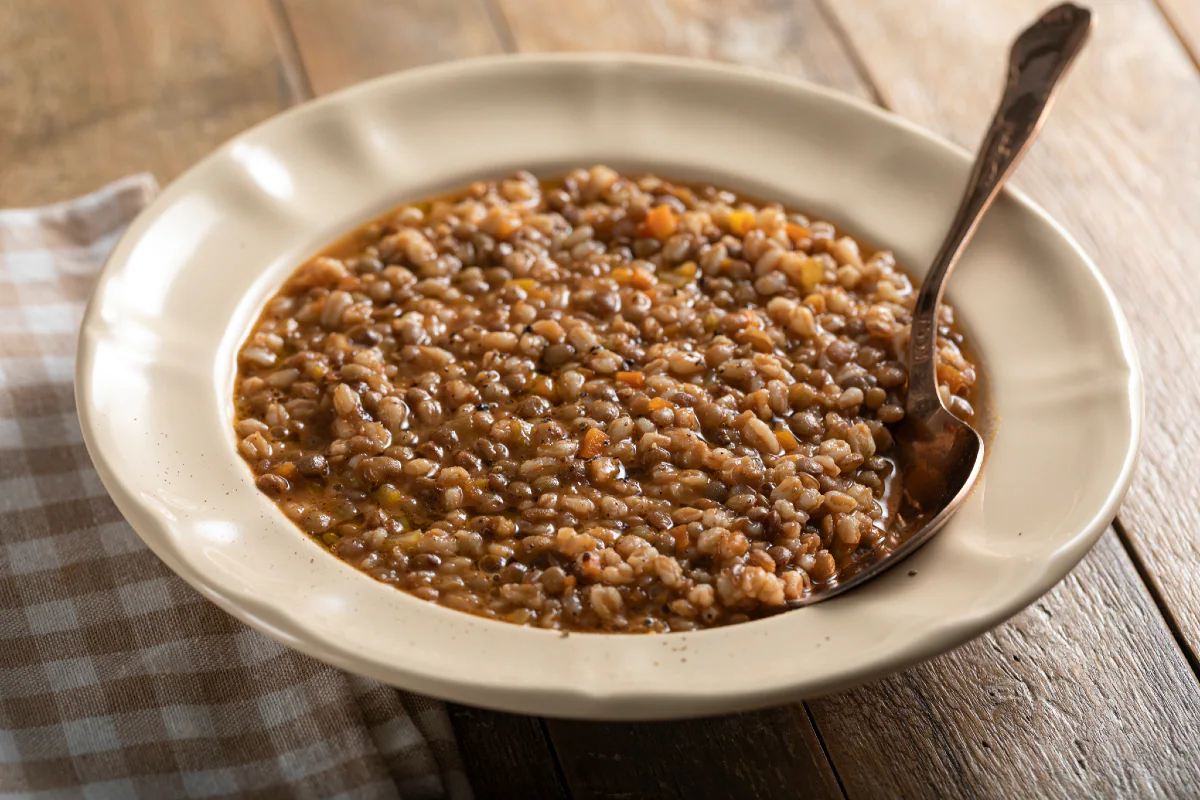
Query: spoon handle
{"type": "Point", "coordinates": [1039, 59]}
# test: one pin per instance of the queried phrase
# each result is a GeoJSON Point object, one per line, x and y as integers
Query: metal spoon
{"type": "Point", "coordinates": [939, 456]}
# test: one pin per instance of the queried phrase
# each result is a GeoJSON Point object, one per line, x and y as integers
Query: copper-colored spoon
{"type": "Point", "coordinates": [939, 456]}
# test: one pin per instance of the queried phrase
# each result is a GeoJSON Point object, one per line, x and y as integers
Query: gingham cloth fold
{"type": "Point", "coordinates": [116, 679]}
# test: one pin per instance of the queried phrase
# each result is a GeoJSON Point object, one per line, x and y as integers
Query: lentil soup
{"type": "Point", "coordinates": [594, 403]}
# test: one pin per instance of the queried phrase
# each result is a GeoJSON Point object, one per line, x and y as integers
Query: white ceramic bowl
{"type": "Point", "coordinates": [156, 363]}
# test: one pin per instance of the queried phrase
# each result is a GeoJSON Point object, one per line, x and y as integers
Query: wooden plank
{"type": "Point", "coordinates": [766, 754]}
{"type": "Point", "coordinates": [1184, 17]}
{"type": "Point", "coordinates": [506, 755]}
{"type": "Point", "coordinates": [348, 41]}
{"type": "Point", "coordinates": [1117, 165]}
{"type": "Point", "coordinates": [93, 91]}
{"type": "Point", "coordinates": [1085, 694]}
{"type": "Point", "coordinates": [780, 35]}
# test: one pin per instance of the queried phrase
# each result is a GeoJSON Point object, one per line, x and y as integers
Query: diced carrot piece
{"type": "Point", "coordinates": [811, 273]}
{"type": "Point", "coordinates": [524, 283]}
{"type": "Point", "coordinates": [683, 275]}
{"type": "Point", "coordinates": [622, 274]}
{"type": "Point", "coordinates": [593, 442]}
{"type": "Point", "coordinates": [661, 223]}
{"type": "Point", "coordinates": [947, 375]}
{"type": "Point", "coordinates": [757, 338]}
{"type": "Point", "coordinates": [641, 279]}
{"type": "Point", "coordinates": [589, 566]}
{"type": "Point", "coordinates": [506, 226]}
{"type": "Point", "coordinates": [657, 403]}
{"type": "Point", "coordinates": [569, 582]}
{"type": "Point", "coordinates": [633, 379]}
{"type": "Point", "coordinates": [741, 222]}
{"type": "Point", "coordinates": [786, 438]}
{"type": "Point", "coordinates": [797, 233]}
{"type": "Point", "coordinates": [682, 540]}
{"type": "Point", "coordinates": [286, 470]}
{"type": "Point", "coordinates": [543, 387]}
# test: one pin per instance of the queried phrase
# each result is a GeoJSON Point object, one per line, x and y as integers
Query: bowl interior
{"type": "Point", "coordinates": [156, 366]}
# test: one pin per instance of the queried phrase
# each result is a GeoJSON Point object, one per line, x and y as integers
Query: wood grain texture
{"type": "Point", "coordinates": [1085, 694]}
{"type": "Point", "coordinates": [506, 755]}
{"type": "Point", "coordinates": [789, 36]}
{"type": "Point", "coordinates": [348, 41]}
{"type": "Point", "coordinates": [93, 91]}
{"type": "Point", "coordinates": [766, 754]}
{"type": "Point", "coordinates": [1117, 164]}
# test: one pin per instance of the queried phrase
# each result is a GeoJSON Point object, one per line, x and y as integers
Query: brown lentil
{"type": "Point", "coordinates": [594, 403]}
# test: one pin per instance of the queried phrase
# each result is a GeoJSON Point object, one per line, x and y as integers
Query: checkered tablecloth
{"type": "Point", "coordinates": [117, 679]}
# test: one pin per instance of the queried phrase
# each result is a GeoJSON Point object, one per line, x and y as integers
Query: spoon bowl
{"type": "Point", "coordinates": [939, 459]}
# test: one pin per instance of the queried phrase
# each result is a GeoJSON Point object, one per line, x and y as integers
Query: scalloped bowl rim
{"type": "Point", "coordinates": [612, 676]}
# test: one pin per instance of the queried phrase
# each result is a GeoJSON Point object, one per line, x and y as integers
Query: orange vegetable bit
{"type": "Point", "coordinates": [683, 275]}
{"type": "Point", "coordinates": [811, 273]}
{"type": "Point", "coordinates": [797, 233]}
{"type": "Point", "coordinates": [947, 375]}
{"type": "Point", "coordinates": [741, 222]}
{"type": "Point", "coordinates": [786, 439]}
{"type": "Point", "coordinates": [286, 470]}
{"type": "Point", "coordinates": [523, 283]}
{"type": "Point", "coordinates": [543, 386]}
{"type": "Point", "coordinates": [661, 223]}
{"type": "Point", "coordinates": [593, 442]}
{"type": "Point", "coordinates": [642, 279]}
{"type": "Point", "coordinates": [633, 379]}
{"type": "Point", "coordinates": [756, 338]}
{"type": "Point", "coordinates": [622, 274]}
{"type": "Point", "coordinates": [657, 402]}
{"type": "Point", "coordinates": [682, 540]}
{"type": "Point", "coordinates": [507, 226]}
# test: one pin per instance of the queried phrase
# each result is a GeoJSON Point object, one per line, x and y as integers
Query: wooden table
{"type": "Point", "coordinates": [1092, 690]}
